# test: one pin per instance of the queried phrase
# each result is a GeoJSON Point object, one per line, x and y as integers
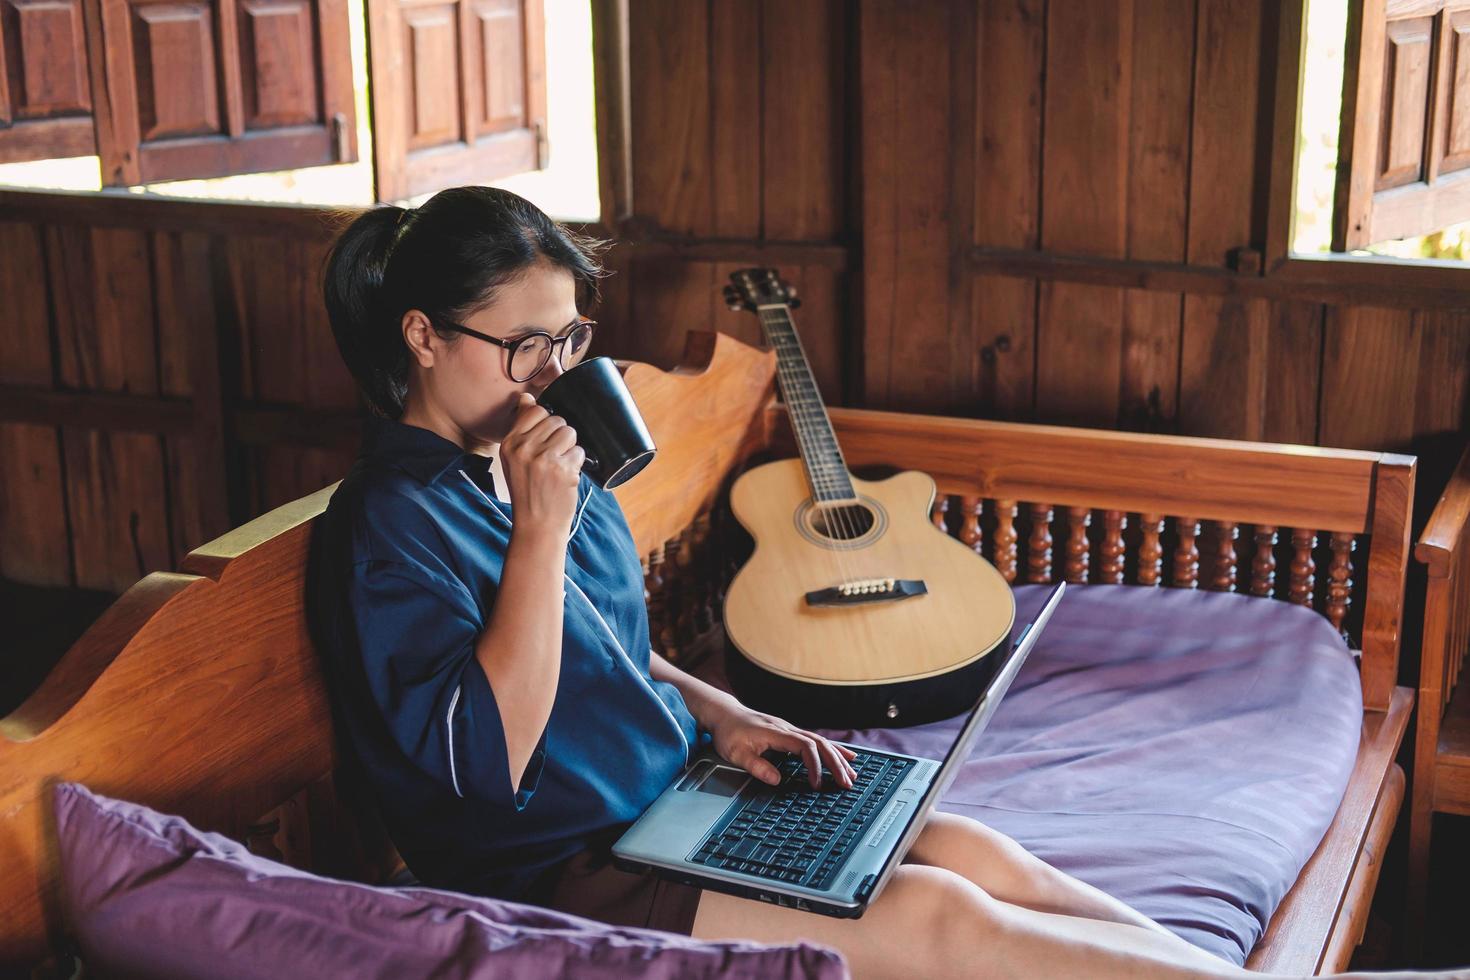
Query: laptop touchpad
{"type": "Point", "coordinates": [724, 781]}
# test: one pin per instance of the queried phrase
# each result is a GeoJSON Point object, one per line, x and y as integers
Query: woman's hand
{"type": "Point", "coordinates": [542, 464]}
{"type": "Point", "coordinates": [741, 735]}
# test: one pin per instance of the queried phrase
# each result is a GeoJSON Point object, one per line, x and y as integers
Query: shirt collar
{"type": "Point", "coordinates": [423, 454]}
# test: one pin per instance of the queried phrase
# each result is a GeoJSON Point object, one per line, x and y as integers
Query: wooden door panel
{"type": "Point", "coordinates": [177, 84]}
{"type": "Point", "coordinates": [501, 63]}
{"type": "Point", "coordinates": [1405, 102]}
{"type": "Point", "coordinates": [277, 66]}
{"type": "Point", "coordinates": [1404, 149]}
{"type": "Point", "coordinates": [1456, 154]}
{"type": "Point", "coordinates": [206, 88]}
{"type": "Point", "coordinates": [45, 95]}
{"type": "Point", "coordinates": [432, 82]}
{"type": "Point", "coordinates": [459, 92]}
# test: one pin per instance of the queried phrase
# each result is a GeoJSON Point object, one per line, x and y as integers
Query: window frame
{"type": "Point", "coordinates": [1442, 282]}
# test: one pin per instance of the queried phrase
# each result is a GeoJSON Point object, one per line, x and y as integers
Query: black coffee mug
{"type": "Point", "coordinates": [598, 405]}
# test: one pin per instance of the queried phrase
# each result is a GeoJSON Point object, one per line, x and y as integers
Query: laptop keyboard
{"type": "Point", "coordinates": [797, 834]}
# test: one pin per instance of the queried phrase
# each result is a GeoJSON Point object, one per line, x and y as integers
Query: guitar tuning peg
{"type": "Point", "coordinates": [792, 301]}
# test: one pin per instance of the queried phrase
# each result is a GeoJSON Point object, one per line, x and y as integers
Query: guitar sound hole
{"type": "Point", "coordinates": [843, 523]}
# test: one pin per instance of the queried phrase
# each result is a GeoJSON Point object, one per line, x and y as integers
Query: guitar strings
{"type": "Point", "coordinates": [804, 422]}
{"type": "Point", "coordinates": [803, 416]}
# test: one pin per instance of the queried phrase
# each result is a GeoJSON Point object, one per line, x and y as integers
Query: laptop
{"type": "Point", "coordinates": [829, 851]}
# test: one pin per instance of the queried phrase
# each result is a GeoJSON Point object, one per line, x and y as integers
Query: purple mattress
{"type": "Point", "coordinates": [1183, 751]}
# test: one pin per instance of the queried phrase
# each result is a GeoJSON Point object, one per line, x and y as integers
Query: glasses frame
{"type": "Point", "coordinates": [514, 345]}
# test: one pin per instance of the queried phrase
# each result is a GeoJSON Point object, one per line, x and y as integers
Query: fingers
{"type": "Point", "coordinates": [758, 767]}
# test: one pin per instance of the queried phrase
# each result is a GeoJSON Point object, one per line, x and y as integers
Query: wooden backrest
{"type": "Point", "coordinates": [198, 692]}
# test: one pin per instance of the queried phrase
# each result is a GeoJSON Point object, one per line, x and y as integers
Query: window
{"type": "Point", "coordinates": [271, 99]}
{"type": "Point", "coordinates": [1384, 160]}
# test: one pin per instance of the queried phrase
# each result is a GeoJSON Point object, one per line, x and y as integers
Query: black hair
{"type": "Point", "coordinates": [445, 258]}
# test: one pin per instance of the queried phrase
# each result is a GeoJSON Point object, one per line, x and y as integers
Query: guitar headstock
{"type": "Point", "coordinates": [750, 289]}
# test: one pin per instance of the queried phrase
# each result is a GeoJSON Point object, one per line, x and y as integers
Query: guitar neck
{"type": "Point", "coordinates": [826, 470]}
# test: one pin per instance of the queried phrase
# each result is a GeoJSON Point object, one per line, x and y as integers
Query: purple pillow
{"type": "Point", "coordinates": [149, 895]}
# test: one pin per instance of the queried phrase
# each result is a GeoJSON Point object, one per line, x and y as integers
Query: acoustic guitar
{"type": "Point", "coordinates": [854, 610]}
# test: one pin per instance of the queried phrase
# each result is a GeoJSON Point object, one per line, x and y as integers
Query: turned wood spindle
{"type": "Point", "coordinates": [1150, 551]}
{"type": "Point", "coordinates": [1078, 555]}
{"type": "Point", "coordinates": [674, 583]}
{"type": "Point", "coordinates": [1186, 555]}
{"type": "Point", "coordinates": [1005, 539]}
{"type": "Point", "coordinates": [653, 585]}
{"type": "Point", "coordinates": [1038, 546]}
{"type": "Point", "coordinates": [1223, 577]}
{"type": "Point", "coordinates": [1303, 568]}
{"type": "Point", "coordinates": [1110, 566]}
{"type": "Point", "coordinates": [970, 530]}
{"type": "Point", "coordinates": [937, 514]}
{"type": "Point", "coordinates": [1339, 577]}
{"type": "Point", "coordinates": [706, 570]}
{"type": "Point", "coordinates": [1263, 566]}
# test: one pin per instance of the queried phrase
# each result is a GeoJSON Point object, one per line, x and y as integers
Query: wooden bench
{"type": "Point", "coordinates": [198, 692]}
{"type": "Point", "coordinates": [1442, 736]}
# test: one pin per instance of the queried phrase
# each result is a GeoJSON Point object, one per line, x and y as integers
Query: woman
{"type": "Point", "coordinates": [493, 674]}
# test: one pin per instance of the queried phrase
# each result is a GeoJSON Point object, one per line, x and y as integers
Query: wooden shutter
{"type": "Point", "coordinates": [458, 92]}
{"type": "Point", "coordinates": [1404, 149]}
{"type": "Point", "coordinates": [45, 92]}
{"type": "Point", "coordinates": [205, 88]}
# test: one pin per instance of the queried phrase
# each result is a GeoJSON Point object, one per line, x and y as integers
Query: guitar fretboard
{"type": "Point", "coordinates": [826, 470]}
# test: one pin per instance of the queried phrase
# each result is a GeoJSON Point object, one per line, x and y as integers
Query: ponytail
{"type": "Point", "coordinates": [367, 333]}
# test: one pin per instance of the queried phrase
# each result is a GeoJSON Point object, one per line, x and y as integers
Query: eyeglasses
{"type": "Point", "coordinates": [529, 354]}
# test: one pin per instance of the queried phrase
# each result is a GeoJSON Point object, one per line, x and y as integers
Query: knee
{"type": "Point", "coordinates": [951, 834]}
{"type": "Point", "coordinates": [944, 912]}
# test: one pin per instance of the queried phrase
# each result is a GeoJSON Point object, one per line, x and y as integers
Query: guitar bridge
{"type": "Point", "coordinates": [863, 591]}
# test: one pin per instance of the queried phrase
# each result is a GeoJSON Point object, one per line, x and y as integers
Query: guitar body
{"type": "Point", "coordinates": [859, 660]}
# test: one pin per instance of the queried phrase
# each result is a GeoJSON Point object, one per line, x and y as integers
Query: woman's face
{"type": "Point", "coordinates": [466, 381]}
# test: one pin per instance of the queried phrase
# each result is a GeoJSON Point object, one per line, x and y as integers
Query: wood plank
{"type": "Point", "coordinates": [736, 126]}
{"type": "Point", "coordinates": [1084, 191]}
{"type": "Point", "coordinates": [1223, 143]}
{"type": "Point", "coordinates": [1370, 281]}
{"type": "Point", "coordinates": [610, 45]}
{"type": "Point", "coordinates": [1157, 213]}
{"type": "Point", "coordinates": [1444, 372]}
{"type": "Point", "coordinates": [1370, 372]}
{"type": "Point", "coordinates": [1148, 382]}
{"type": "Point", "coordinates": [33, 529]}
{"type": "Point", "coordinates": [197, 465]}
{"type": "Point", "coordinates": [1296, 940]}
{"type": "Point", "coordinates": [1293, 372]}
{"type": "Point", "coordinates": [1009, 90]}
{"type": "Point", "coordinates": [904, 88]}
{"type": "Point", "coordinates": [1004, 358]}
{"type": "Point", "coordinates": [106, 331]}
{"type": "Point", "coordinates": [803, 88]}
{"type": "Point", "coordinates": [669, 57]}
{"type": "Point", "coordinates": [1222, 367]}
{"type": "Point", "coordinates": [1212, 479]}
{"type": "Point", "coordinates": [1011, 54]}
{"type": "Point", "coordinates": [1079, 354]}
{"type": "Point", "coordinates": [1084, 171]}
{"type": "Point", "coordinates": [120, 209]}
{"type": "Point", "coordinates": [1352, 917]}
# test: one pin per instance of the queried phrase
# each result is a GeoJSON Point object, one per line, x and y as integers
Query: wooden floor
{"type": "Point", "coordinates": [46, 621]}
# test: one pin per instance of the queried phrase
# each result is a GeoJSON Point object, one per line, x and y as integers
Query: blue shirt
{"type": "Point", "coordinates": [406, 561]}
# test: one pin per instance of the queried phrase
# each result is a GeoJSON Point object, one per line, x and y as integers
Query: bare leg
{"type": "Point", "coordinates": [1007, 871]}
{"type": "Point", "coordinates": [932, 922]}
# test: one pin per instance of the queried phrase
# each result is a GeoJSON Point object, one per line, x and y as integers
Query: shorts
{"type": "Point", "coordinates": [590, 885]}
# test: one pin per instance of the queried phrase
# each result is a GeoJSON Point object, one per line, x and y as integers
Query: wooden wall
{"type": "Point", "coordinates": [1021, 209]}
